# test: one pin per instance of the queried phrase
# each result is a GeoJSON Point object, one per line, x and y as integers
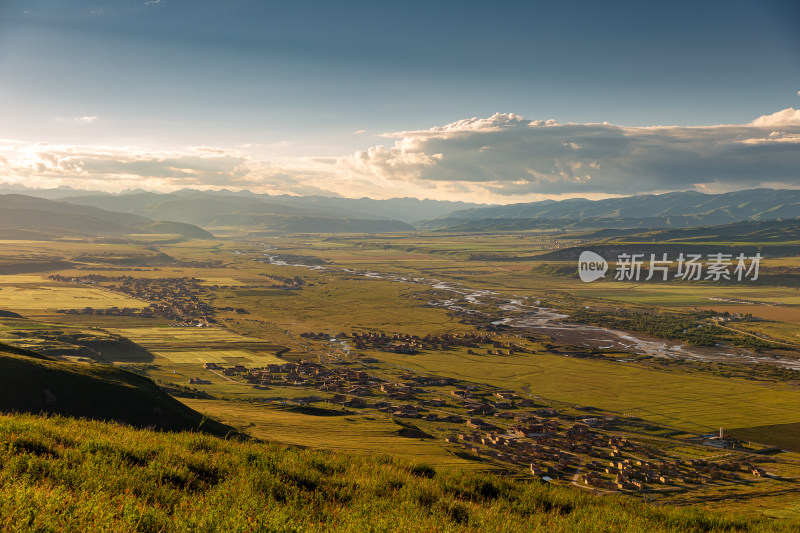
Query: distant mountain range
{"type": "Point", "coordinates": [223, 210]}
{"type": "Point", "coordinates": [678, 210]}
{"type": "Point", "coordinates": [261, 213]}
{"type": "Point", "coordinates": [756, 231]}
{"type": "Point", "coordinates": [26, 217]}
{"type": "Point", "coordinates": [205, 207]}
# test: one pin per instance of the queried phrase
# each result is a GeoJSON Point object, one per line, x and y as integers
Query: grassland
{"type": "Point", "coordinates": [362, 433]}
{"type": "Point", "coordinates": [336, 303]}
{"type": "Point", "coordinates": [677, 398]}
{"type": "Point", "coordinates": [786, 436]}
{"type": "Point", "coordinates": [690, 402]}
{"type": "Point", "coordinates": [675, 295]}
{"type": "Point", "coordinates": [73, 476]}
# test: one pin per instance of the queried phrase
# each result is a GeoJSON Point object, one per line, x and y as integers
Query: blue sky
{"type": "Point", "coordinates": [341, 97]}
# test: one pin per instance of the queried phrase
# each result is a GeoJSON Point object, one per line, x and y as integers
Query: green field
{"type": "Point", "coordinates": [685, 295]}
{"type": "Point", "coordinates": [679, 400]}
{"type": "Point", "coordinates": [334, 303]}
{"type": "Point", "coordinates": [786, 436]}
{"type": "Point", "coordinates": [364, 434]}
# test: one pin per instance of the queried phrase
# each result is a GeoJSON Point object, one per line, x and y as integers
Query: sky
{"type": "Point", "coordinates": [492, 102]}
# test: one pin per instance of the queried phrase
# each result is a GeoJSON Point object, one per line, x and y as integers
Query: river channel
{"type": "Point", "coordinates": [529, 317]}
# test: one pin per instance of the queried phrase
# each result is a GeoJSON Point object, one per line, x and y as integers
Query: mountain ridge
{"type": "Point", "coordinates": [674, 209]}
{"type": "Point", "coordinates": [24, 217]}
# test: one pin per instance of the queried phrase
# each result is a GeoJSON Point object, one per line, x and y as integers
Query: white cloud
{"type": "Point", "coordinates": [508, 155]}
{"type": "Point", "coordinates": [502, 158]}
{"type": "Point", "coordinates": [106, 166]}
{"type": "Point", "coordinates": [86, 120]}
{"type": "Point", "coordinates": [779, 118]}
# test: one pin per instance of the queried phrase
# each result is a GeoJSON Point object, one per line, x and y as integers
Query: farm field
{"type": "Point", "coordinates": [685, 296]}
{"type": "Point", "coordinates": [786, 331]}
{"type": "Point", "coordinates": [200, 356]}
{"type": "Point", "coordinates": [359, 433]}
{"type": "Point", "coordinates": [677, 400]}
{"type": "Point", "coordinates": [767, 312]}
{"type": "Point", "coordinates": [176, 336]}
{"type": "Point", "coordinates": [784, 435]}
{"type": "Point", "coordinates": [44, 298]}
{"type": "Point", "coordinates": [181, 346]}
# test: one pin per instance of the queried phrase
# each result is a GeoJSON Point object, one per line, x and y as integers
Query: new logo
{"type": "Point", "coordinates": [591, 266]}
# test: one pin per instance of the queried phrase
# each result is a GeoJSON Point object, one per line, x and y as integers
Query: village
{"type": "Point", "coordinates": [410, 344]}
{"type": "Point", "coordinates": [176, 299]}
{"type": "Point", "coordinates": [590, 450]}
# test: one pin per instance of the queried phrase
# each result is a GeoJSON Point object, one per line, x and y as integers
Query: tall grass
{"type": "Point", "coordinates": [61, 474]}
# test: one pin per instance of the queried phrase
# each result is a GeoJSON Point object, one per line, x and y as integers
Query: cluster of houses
{"type": "Point", "coordinates": [502, 426]}
{"type": "Point", "coordinates": [177, 299]}
{"type": "Point", "coordinates": [536, 439]}
{"type": "Point", "coordinates": [405, 343]}
{"type": "Point", "coordinates": [294, 283]}
{"type": "Point", "coordinates": [637, 474]}
{"type": "Point", "coordinates": [410, 344]}
{"type": "Point", "coordinates": [742, 301]}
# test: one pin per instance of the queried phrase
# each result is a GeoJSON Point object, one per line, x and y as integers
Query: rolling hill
{"type": "Point", "coordinates": [34, 383]}
{"type": "Point", "coordinates": [71, 475]}
{"type": "Point", "coordinates": [27, 217]}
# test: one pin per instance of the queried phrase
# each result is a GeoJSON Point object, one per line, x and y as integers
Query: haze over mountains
{"type": "Point", "coordinates": [677, 209]}
{"type": "Point", "coordinates": [406, 210]}
{"type": "Point", "coordinates": [26, 217]}
{"type": "Point", "coordinates": [77, 213]}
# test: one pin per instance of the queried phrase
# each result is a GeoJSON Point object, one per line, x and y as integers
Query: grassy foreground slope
{"type": "Point", "coordinates": [63, 474]}
{"type": "Point", "coordinates": [33, 383]}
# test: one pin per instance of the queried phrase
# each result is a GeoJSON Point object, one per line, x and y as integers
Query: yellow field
{"type": "Point", "coordinates": [30, 298]}
{"type": "Point", "coordinates": [185, 335]}
{"type": "Point", "coordinates": [221, 281]}
{"type": "Point", "coordinates": [224, 357]}
{"type": "Point", "coordinates": [22, 278]}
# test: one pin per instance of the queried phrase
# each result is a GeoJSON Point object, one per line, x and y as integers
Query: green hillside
{"type": "Point", "coordinates": [33, 383]}
{"type": "Point", "coordinates": [68, 475]}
